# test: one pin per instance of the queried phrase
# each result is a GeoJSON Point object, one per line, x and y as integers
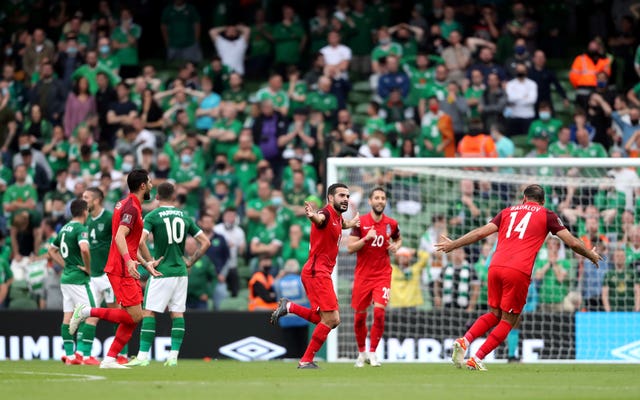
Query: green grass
{"type": "Point", "coordinates": [191, 380]}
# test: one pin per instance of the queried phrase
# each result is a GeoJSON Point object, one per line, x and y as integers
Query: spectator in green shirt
{"type": "Point", "coordinates": [563, 147]}
{"type": "Point", "coordinates": [90, 71]}
{"type": "Point", "coordinates": [290, 40]}
{"type": "Point", "coordinates": [124, 40]}
{"type": "Point", "coordinates": [274, 92]}
{"type": "Point", "coordinates": [181, 32]}
{"type": "Point", "coordinates": [322, 99]}
{"type": "Point", "coordinates": [259, 57]}
{"type": "Point", "coordinates": [319, 28]}
{"type": "Point", "coordinates": [105, 56]}
{"type": "Point", "coordinates": [552, 273]}
{"type": "Point", "coordinates": [360, 41]}
{"type": "Point", "coordinates": [621, 286]}
{"type": "Point", "coordinates": [236, 94]}
{"type": "Point", "coordinates": [21, 195]}
{"type": "Point", "coordinates": [545, 123]}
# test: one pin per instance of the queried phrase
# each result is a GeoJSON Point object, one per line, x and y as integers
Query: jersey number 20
{"type": "Point", "coordinates": [522, 225]}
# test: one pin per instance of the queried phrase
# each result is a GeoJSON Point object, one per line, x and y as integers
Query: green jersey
{"type": "Point", "coordinates": [419, 79]}
{"type": "Point", "coordinates": [430, 133]}
{"type": "Point", "coordinates": [551, 127]}
{"type": "Point", "coordinates": [68, 242]}
{"type": "Point", "coordinates": [620, 284]}
{"type": "Point", "coordinates": [287, 40]}
{"type": "Point", "coordinates": [379, 52]}
{"type": "Point", "coordinates": [127, 55]}
{"type": "Point", "coordinates": [474, 92]}
{"type": "Point", "coordinates": [559, 149]}
{"type": "Point", "coordinates": [360, 41]}
{"type": "Point", "coordinates": [279, 98]}
{"type": "Point", "coordinates": [551, 290]}
{"type": "Point", "coordinates": [187, 174]}
{"type": "Point", "coordinates": [323, 102]}
{"type": "Point", "coordinates": [181, 25]}
{"type": "Point", "coordinates": [99, 229]}
{"type": "Point", "coordinates": [170, 227]}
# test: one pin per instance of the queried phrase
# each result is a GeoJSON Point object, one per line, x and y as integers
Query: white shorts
{"type": "Point", "coordinates": [168, 293]}
{"type": "Point", "coordinates": [72, 295]}
{"type": "Point", "coordinates": [102, 290]}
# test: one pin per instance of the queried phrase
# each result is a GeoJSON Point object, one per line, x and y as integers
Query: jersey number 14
{"type": "Point", "coordinates": [522, 225]}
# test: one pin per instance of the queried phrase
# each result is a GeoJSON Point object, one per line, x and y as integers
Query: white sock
{"type": "Point", "coordinates": [143, 355]}
{"type": "Point", "coordinates": [108, 359]}
{"type": "Point", "coordinates": [86, 312]}
{"type": "Point", "coordinates": [288, 306]}
{"type": "Point", "coordinates": [173, 354]}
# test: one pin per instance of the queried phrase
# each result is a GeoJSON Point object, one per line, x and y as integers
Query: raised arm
{"type": "Point", "coordinates": [447, 245]}
{"type": "Point", "coordinates": [578, 246]}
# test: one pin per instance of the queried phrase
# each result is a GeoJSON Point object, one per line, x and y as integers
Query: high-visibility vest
{"type": "Point", "coordinates": [583, 70]}
{"type": "Point", "coordinates": [256, 302]}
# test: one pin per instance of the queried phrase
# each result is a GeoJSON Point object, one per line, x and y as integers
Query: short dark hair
{"type": "Point", "coordinates": [534, 193]}
{"type": "Point", "coordinates": [375, 106]}
{"type": "Point", "coordinates": [137, 178]}
{"type": "Point", "coordinates": [97, 192]}
{"type": "Point", "coordinates": [377, 189]}
{"type": "Point", "coordinates": [333, 188]}
{"type": "Point", "coordinates": [166, 191]}
{"type": "Point", "coordinates": [78, 207]}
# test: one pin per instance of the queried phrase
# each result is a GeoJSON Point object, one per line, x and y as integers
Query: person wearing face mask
{"type": "Point", "coordinates": [106, 58]}
{"type": "Point", "coordinates": [188, 179]}
{"type": "Point", "coordinates": [520, 56]}
{"type": "Point", "coordinates": [437, 136]}
{"type": "Point", "coordinates": [545, 123]}
{"type": "Point", "coordinates": [222, 172]}
{"type": "Point", "coordinates": [384, 48]}
{"type": "Point", "coordinates": [584, 71]}
{"type": "Point", "coordinates": [522, 94]}
{"type": "Point", "coordinates": [262, 294]}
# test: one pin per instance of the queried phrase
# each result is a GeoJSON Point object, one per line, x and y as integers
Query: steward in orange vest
{"type": "Point", "coordinates": [262, 295]}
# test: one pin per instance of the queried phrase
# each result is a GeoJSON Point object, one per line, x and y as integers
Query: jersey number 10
{"type": "Point", "coordinates": [175, 230]}
{"type": "Point", "coordinates": [522, 225]}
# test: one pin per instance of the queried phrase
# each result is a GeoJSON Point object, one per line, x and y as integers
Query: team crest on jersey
{"type": "Point", "coordinates": [100, 227]}
{"type": "Point", "coordinates": [126, 218]}
{"type": "Point", "coordinates": [560, 222]}
{"type": "Point", "coordinates": [84, 235]}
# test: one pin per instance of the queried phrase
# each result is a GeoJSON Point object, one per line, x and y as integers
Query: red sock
{"type": "Point", "coordinates": [497, 336]}
{"type": "Point", "coordinates": [123, 334]}
{"type": "Point", "coordinates": [377, 328]}
{"type": "Point", "coordinates": [360, 328]}
{"type": "Point", "coordinates": [482, 325]}
{"type": "Point", "coordinates": [304, 312]}
{"type": "Point", "coordinates": [115, 315]}
{"type": "Point", "coordinates": [317, 340]}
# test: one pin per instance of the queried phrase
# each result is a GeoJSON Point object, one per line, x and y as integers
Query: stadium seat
{"type": "Point", "coordinates": [361, 86]}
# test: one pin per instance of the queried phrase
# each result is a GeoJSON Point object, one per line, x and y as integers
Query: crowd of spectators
{"type": "Point", "coordinates": [246, 106]}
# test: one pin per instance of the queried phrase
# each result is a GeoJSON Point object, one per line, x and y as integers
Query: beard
{"type": "Point", "coordinates": [378, 210]}
{"type": "Point", "coordinates": [340, 207]}
{"type": "Point", "coordinates": [147, 196]}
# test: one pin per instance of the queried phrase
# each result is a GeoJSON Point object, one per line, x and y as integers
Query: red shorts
{"type": "Point", "coordinates": [319, 288]}
{"type": "Point", "coordinates": [507, 289]}
{"type": "Point", "coordinates": [367, 292]}
{"type": "Point", "coordinates": [127, 290]}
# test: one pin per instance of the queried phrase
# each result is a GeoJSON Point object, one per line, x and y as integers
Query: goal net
{"type": "Point", "coordinates": [435, 297]}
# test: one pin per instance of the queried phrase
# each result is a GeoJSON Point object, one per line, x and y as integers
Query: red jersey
{"type": "Point", "coordinates": [128, 212]}
{"type": "Point", "coordinates": [325, 241]}
{"type": "Point", "coordinates": [521, 231]}
{"type": "Point", "coordinates": [373, 258]}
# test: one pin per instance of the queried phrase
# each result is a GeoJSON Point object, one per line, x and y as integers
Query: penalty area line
{"type": "Point", "coordinates": [64, 376]}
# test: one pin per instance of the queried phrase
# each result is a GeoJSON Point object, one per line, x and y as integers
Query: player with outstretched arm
{"type": "Point", "coordinates": [376, 237]}
{"type": "Point", "coordinates": [326, 232]}
{"type": "Point", "coordinates": [122, 268]}
{"type": "Point", "coordinates": [522, 229]}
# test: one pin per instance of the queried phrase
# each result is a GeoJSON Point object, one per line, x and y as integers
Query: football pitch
{"type": "Point", "coordinates": [191, 380]}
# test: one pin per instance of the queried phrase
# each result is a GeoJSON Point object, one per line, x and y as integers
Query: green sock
{"type": "Point", "coordinates": [512, 342]}
{"type": "Point", "coordinates": [67, 339]}
{"type": "Point", "coordinates": [85, 339]}
{"type": "Point", "coordinates": [177, 333]}
{"type": "Point", "coordinates": [147, 333]}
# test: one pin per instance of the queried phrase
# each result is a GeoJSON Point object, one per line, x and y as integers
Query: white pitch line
{"type": "Point", "coordinates": [73, 377]}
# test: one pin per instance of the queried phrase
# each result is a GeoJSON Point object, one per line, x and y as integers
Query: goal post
{"type": "Point", "coordinates": [598, 199]}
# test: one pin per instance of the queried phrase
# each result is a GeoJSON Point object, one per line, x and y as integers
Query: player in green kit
{"type": "Point", "coordinates": [70, 249]}
{"type": "Point", "coordinates": [169, 227]}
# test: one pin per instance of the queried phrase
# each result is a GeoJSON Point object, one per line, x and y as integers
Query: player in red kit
{"type": "Point", "coordinates": [376, 236]}
{"type": "Point", "coordinates": [122, 268]}
{"type": "Point", "coordinates": [326, 232]}
{"type": "Point", "coordinates": [521, 231]}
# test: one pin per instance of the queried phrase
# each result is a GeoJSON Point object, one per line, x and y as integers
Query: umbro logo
{"type": "Point", "coordinates": [252, 348]}
{"type": "Point", "coordinates": [628, 352]}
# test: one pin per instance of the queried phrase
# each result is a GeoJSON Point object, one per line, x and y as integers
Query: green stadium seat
{"type": "Point", "coordinates": [361, 86]}
{"type": "Point", "coordinates": [362, 108]}
{"type": "Point", "coordinates": [357, 98]}
{"type": "Point", "coordinates": [239, 303]}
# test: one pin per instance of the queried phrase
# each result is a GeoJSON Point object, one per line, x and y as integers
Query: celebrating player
{"type": "Point", "coordinates": [521, 231]}
{"type": "Point", "coordinates": [122, 269]}
{"type": "Point", "coordinates": [70, 249]}
{"type": "Point", "coordinates": [326, 232]}
{"type": "Point", "coordinates": [376, 236]}
{"type": "Point", "coordinates": [169, 227]}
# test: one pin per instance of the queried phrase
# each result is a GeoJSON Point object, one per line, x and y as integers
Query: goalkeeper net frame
{"type": "Point", "coordinates": [423, 190]}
